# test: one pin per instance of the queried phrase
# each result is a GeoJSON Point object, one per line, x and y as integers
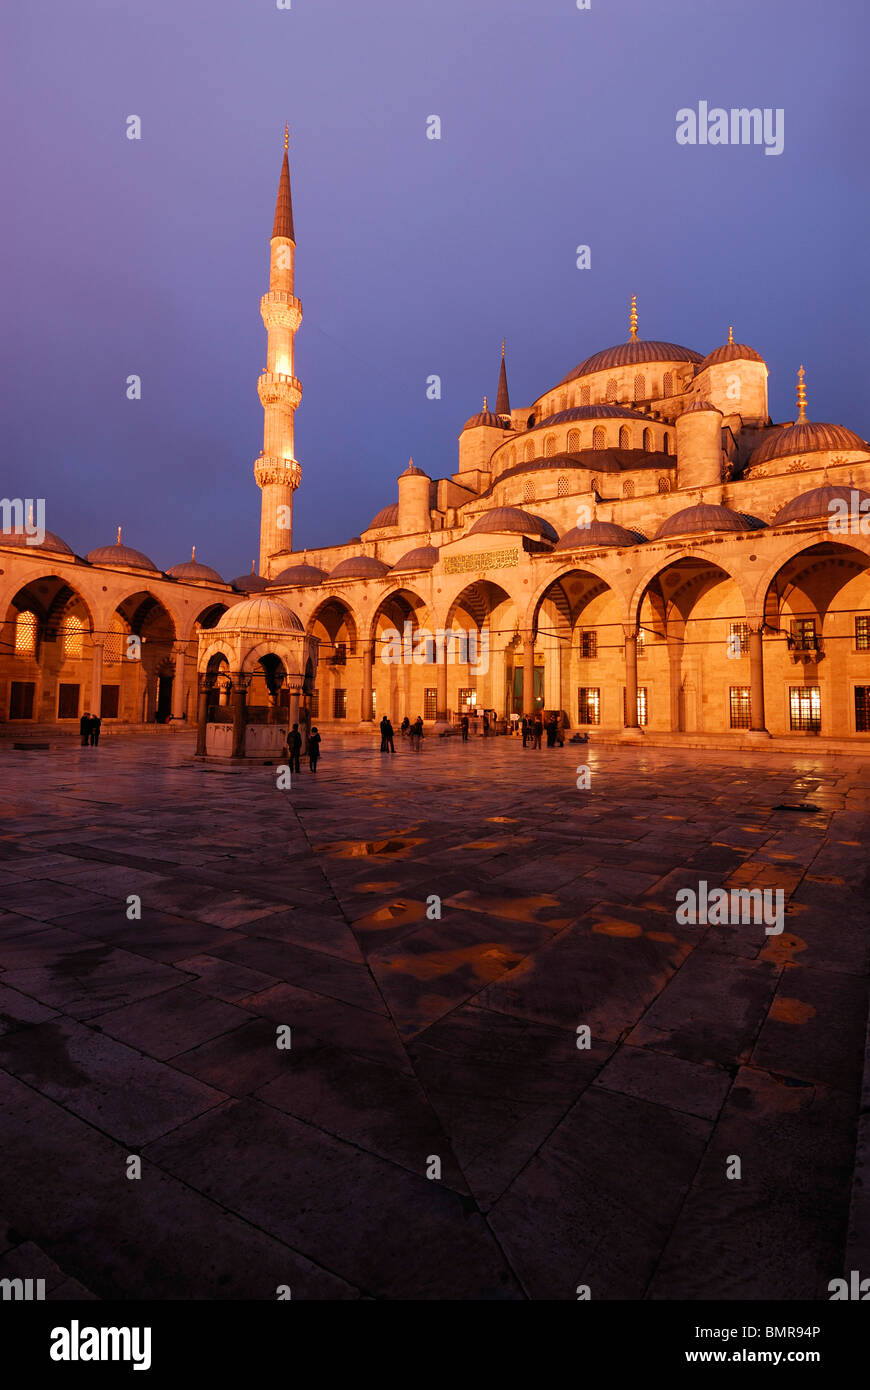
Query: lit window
{"type": "Point", "coordinates": [429, 703]}
{"type": "Point", "coordinates": [113, 650]}
{"type": "Point", "coordinates": [467, 699]}
{"type": "Point", "coordinates": [642, 706]}
{"type": "Point", "coordinates": [740, 631]}
{"type": "Point", "coordinates": [588, 645]}
{"type": "Point", "coordinates": [803, 635]}
{"type": "Point", "coordinates": [589, 705]}
{"type": "Point", "coordinates": [805, 708]}
{"type": "Point", "coordinates": [73, 636]}
{"type": "Point", "coordinates": [641, 643]}
{"type": "Point", "coordinates": [740, 707]}
{"type": "Point", "coordinates": [862, 709]}
{"type": "Point", "coordinates": [26, 631]}
{"type": "Point", "coordinates": [862, 634]}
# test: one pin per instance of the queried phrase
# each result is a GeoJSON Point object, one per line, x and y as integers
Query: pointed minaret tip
{"type": "Point", "coordinates": [193, 552]}
{"type": "Point", "coordinates": [632, 321]}
{"type": "Point", "coordinates": [283, 224]}
{"type": "Point", "coordinates": [118, 541]}
{"type": "Point", "coordinates": [502, 400]}
{"type": "Point", "coordinates": [731, 333]}
{"type": "Point", "coordinates": [801, 397]}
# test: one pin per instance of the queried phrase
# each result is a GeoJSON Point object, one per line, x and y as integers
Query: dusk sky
{"type": "Point", "coordinates": [414, 256]}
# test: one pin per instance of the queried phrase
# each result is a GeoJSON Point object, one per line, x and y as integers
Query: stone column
{"type": "Point", "coordinates": [239, 700]}
{"type": "Point", "coordinates": [178, 683]}
{"type": "Point", "coordinates": [631, 721]}
{"type": "Point", "coordinates": [97, 678]}
{"type": "Point", "coordinates": [201, 715]}
{"type": "Point", "coordinates": [529, 674]}
{"type": "Point", "coordinates": [293, 712]}
{"type": "Point", "coordinates": [756, 681]}
{"type": "Point", "coordinates": [366, 698]}
{"type": "Point", "coordinates": [441, 682]}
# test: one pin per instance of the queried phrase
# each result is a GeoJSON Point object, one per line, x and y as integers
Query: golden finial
{"type": "Point", "coordinates": [731, 333]}
{"type": "Point", "coordinates": [485, 406]}
{"type": "Point", "coordinates": [253, 570]}
{"type": "Point", "coordinates": [502, 347]}
{"type": "Point", "coordinates": [193, 552]}
{"type": "Point", "coordinates": [801, 396]}
{"type": "Point", "coordinates": [633, 318]}
{"type": "Point", "coordinates": [118, 542]}
{"type": "Point", "coordinates": [286, 137]}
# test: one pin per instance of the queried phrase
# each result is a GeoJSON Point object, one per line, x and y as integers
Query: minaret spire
{"type": "Point", "coordinates": [632, 321]}
{"type": "Point", "coordinates": [502, 400]}
{"type": "Point", "coordinates": [801, 397]}
{"type": "Point", "coordinates": [277, 471]}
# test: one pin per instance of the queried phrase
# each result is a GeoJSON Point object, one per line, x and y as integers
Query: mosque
{"type": "Point", "coordinates": [640, 548]}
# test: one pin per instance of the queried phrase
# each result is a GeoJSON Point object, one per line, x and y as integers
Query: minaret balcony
{"type": "Point", "coordinates": [271, 470]}
{"type": "Point", "coordinates": [278, 309]}
{"type": "Point", "coordinates": [276, 389]}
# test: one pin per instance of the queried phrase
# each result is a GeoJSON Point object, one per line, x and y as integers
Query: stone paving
{"type": "Point", "coordinates": [416, 1037]}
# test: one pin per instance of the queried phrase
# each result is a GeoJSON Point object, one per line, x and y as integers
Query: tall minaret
{"type": "Point", "coordinates": [277, 473]}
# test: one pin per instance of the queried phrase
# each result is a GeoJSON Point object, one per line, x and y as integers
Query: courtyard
{"type": "Point", "coordinates": [341, 1027]}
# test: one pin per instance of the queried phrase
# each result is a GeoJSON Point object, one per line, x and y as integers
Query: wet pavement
{"type": "Point", "coordinates": [428, 1026]}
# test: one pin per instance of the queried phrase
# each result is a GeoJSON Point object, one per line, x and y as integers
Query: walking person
{"type": "Point", "coordinates": [387, 744]}
{"type": "Point", "coordinates": [94, 724]}
{"type": "Point", "coordinates": [313, 748]}
{"type": "Point", "coordinates": [294, 748]}
{"type": "Point", "coordinates": [85, 728]}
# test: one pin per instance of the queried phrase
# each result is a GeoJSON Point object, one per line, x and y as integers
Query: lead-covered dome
{"type": "Point", "coordinates": [808, 506]}
{"type": "Point", "coordinates": [192, 571]}
{"type": "Point", "coordinates": [632, 353]}
{"type": "Point", "coordinates": [49, 542]}
{"type": "Point", "coordinates": [423, 557]}
{"type": "Point", "coordinates": [704, 516]}
{"type": "Point", "coordinates": [252, 583]}
{"type": "Point", "coordinates": [700, 404]}
{"type": "Point", "coordinates": [486, 417]}
{"type": "Point", "coordinates": [806, 437]}
{"type": "Point", "coordinates": [360, 567]}
{"type": "Point", "coordinates": [598, 534]}
{"type": "Point", "coordinates": [297, 575]}
{"type": "Point", "coordinates": [513, 519]}
{"type": "Point", "coordinates": [121, 556]}
{"type": "Point", "coordinates": [260, 615]}
{"type": "Point", "coordinates": [592, 412]}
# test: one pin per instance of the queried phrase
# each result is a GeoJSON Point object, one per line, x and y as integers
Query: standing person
{"type": "Point", "coordinates": [417, 733]}
{"type": "Point", "coordinates": [464, 727]}
{"type": "Point", "coordinates": [313, 748]}
{"type": "Point", "coordinates": [405, 727]}
{"type": "Point", "coordinates": [94, 729]}
{"type": "Point", "coordinates": [527, 731]}
{"type": "Point", "coordinates": [485, 724]}
{"type": "Point", "coordinates": [560, 729]}
{"type": "Point", "coordinates": [294, 748]}
{"type": "Point", "coordinates": [537, 731]}
{"type": "Point", "coordinates": [85, 728]}
{"type": "Point", "coordinates": [551, 731]}
{"type": "Point", "coordinates": [304, 727]}
{"type": "Point", "coordinates": [387, 744]}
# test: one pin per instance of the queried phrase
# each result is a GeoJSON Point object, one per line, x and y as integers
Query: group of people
{"type": "Point", "coordinates": [89, 728]}
{"type": "Point", "coordinates": [533, 728]}
{"type": "Point", "coordinates": [303, 741]}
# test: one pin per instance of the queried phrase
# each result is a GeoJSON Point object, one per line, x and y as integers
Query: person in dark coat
{"type": "Point", "coordinates": [405, 727]}
{"type": "Point", "coordinates": [486, 725]}
{"type": "Point", "coordinates": [387, 744]}
{"type": "Point", "coordinates": [527, 731]}
{"type": "Point", "coordinates": [85, 728]}
{"type": "Point", "coordinates": [294, 748]}
{"type": "Point", "coordinates": [551, 731]}
{"type": "Point", "coordinates": [417, 733]}
{"type": "Point", "coordinates": [464, 727]}
{"type": "Point", "coordinates": [537, 731]}
{"type": "Point", "coordinates": [313, 748]}
{"type": "Point", "coordinates": [94, 729]}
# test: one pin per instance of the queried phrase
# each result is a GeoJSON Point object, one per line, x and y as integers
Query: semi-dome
{"type": "Point", "coordinates": [194, 572]}
{"type": "Point", "coordinates": [597, 534]}
{"type": "Point", "coordinates": [731, 352]}
{"type": "Point", "coordinates": [513, 519]}
{"type": "Point", "coordinates": [297, 575]}
{"type": "Point", "coordinates": [387, 516]}
{"type": "Point", "coordinates": [120, 556]}
{"type": "Point", "coordinates": [359, 567]}
{"type": "Point", "coordinates": [423, 557]}
{"type": "Point", "coordinates": [701, 404]}
{"type": "Point", "coordinates": [260, 615]}
{"type": "Point", "coordinates": [704, 516]}
{"type": "Point", "coordinates": [632, 353]}
{"type": "Point", "coordinates": [605, 411]}
{"type": "Point", "coordinates": [49, 542]}
{"type": "Point", "coordinates": [807, 506]}
{"type": "Point", "coordinates": [806, 437]}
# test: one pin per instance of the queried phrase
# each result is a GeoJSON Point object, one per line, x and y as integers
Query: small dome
{"type": "Point", "coordinates": [259, 615]}
{"type": "Point", "coordinates": [49, 542]}
{"type": "Point", "coordinates": [731, 352]}
{"type": "Point", "coordinates": [297, 575]}
{"type": "Point", "coordinates": [704, 516]}
{"type": "Point", "coordinates": [360, 567]}
{"type": "Point", "coordinates": [592, 412]}
{"type": "Point", "coordinates": [805, 437]}
{"type": "Point", "coordinates": [194, 572]}
{"type": "Point", "coordinates": [388, 516]}
{"type": "Point", "coordinates": [422, 558]}
{"type": "Point", "coordinates": [816, 503]}
{"type": "Point", "coordinates": [513, 519]}
{"type": "Point", "coordinates": [635, 351]}
{"type": "Point", "coordinates": [121, 556]}
{"type": "Point", "coordinates": [250, 583]}
{"type": "Point", "coordinates": [599, 533]}
{"type": "Point", "coordinates": [412, 471]}
{"type": "Point", "coordinates": [701, 404]}
{"type": "Point", "coordinates": [486, 417]}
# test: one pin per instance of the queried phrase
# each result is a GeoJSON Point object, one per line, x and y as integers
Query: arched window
{"type": "Point", "coordinates": [529, 452]}
{"type": "Point", "coordinates": [664, 484]}
{"type": "Point", "coordinates": [549, 446]}
{"type": "Point", "coordinates": [114, 648]}
{"type": "Point", "coordinates": [668, 384]}
{"type": "Point", "coordinates": [647, 441]}
{"type": "Point", "coordinates": [573, 441]}
{"type": "Point", "coordinates": [667, 443]}
{"type": "Point", "coordinates": [72, 636]}
{"type": "Point", "coordinates": [529, 492]}
{"type": "Point", "coordinates": [611, 391]}
{"type": "Point", "coordinates": [584, 395]}
{"type": "Point", "coordinates": [599, 437]}
{"type": "Point", "coordinates": [624, 437]}
{"type": "Point", "coordinates": [640, 387]}
{"type": "Point", "coordinates": [593, 484]}
{"type": "Point", "coordinates": [26, 631]}
{"type": "Point", "coordinates": [562, 487]}
{"type": "Point", "coordinates": [565, 401]}
{"type": "Point", "coordinates": [628, 488]}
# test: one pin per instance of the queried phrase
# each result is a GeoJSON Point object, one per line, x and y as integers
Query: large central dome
{"type": "Point", "coordinates": [628, 354]}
